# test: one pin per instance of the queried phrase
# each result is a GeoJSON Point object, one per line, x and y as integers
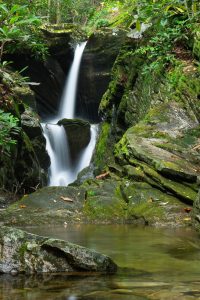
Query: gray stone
{"type": "Point", "coordinates": [22, 252]}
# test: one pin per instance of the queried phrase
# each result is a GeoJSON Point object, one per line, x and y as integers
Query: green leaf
{"type": "Point", "coordinates": [180, 9]}
{"type": "Point", "coordinates": [13, 20]}
{"type": "Point", "coordinates": [194, 8]}
{"type": "Point", "coordinates": [138, 25]}
{"type": "Point", "coordinates": [4, 8]}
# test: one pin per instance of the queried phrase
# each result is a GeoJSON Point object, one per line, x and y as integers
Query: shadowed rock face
{"type": "Point", "coordinates": [98, 58]}
{"type": "Point", "coordinates": [22, 252]}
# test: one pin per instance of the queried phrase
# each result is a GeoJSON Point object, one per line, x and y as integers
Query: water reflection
{"type": "Point", "coordinates": [154, 264]}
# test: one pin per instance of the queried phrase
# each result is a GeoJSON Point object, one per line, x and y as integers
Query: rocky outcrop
{"type": "Point", "coordinates": [22, 252]}
{"type": "Point", "coordinates": [25, 165]}
{"type": "Point", "coordinates": [32, 160]}
{"type": "Point", "coordinates": [152, 128]}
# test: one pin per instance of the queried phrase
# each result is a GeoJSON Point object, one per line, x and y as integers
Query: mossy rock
{"type": "Point", "coordinates": [152, 206]}
{"type": "Point", "coordinates": [62, 33]}
{"type": "Point", "coordinates": [49, 205]}
{"type": "Point", "coordinates": [22, 252]}
{"type": "Point", "coordinates": [124, 201]}
{"type": "Point", "coordinates": [157, 149]}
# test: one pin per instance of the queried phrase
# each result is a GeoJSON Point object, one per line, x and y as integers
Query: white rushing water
{"type": "Point", "coordinates": [61, 171]}
{"type": "Point", "coordinates": [58, 150]}
{"type": "Point", "coordinates": [68, 100]}
{"type": "Point", "coordinates": [86, 154]}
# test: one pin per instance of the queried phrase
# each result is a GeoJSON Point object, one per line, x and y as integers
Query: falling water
{"type": "Point", "coordinates": [68, 100]}
{"type": "Point", "coordinates": [86, 154]}
{"type": "Point", "coordinates": [61, 171]}
{"type": "Point", "coordinates": [58, 150]}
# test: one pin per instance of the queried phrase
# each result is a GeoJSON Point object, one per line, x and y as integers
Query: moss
{"type": "Point", "coordinates": [151, 212]}
{"type": "Point", "coordinates": [102, 151]}
{"type": "Point", "coordinates": [22, 250]}
{"type": "Point", "coordinates": [96, 210]}
{"type": "Point", "coordinates": [182, 191]}
{"type": "Point", "coordinates": [27, 142]}
{"type": "Point", "coordinates": [121, 151]}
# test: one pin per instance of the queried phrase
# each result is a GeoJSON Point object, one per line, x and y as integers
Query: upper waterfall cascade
{"type": "Point", "coordinates": [62, 171]}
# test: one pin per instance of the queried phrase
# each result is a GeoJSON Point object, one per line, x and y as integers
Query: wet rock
{"type": "Point", "coordinates": [22, 252]}
{"type": "Point", "coordinates": [78, 135]}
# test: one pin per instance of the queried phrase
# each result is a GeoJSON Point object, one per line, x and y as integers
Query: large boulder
{"type": "Point", "coordinates": [78, 135]}
{"type": "Point", "coordinates": [22, 252]}
{"type": "Point", "coordinates": [49, 205]}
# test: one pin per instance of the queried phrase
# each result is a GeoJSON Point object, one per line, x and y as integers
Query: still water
{"type": "Point", "coordinates": [154, 264]}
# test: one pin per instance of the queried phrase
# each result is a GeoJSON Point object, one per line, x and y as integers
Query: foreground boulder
{"type": "Point", "coordinates": [22, 252]}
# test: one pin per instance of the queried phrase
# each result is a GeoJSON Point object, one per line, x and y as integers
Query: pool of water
{"type": "Point", "coordinates": [153, 264]}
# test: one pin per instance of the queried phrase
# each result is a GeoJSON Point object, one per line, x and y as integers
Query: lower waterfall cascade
{"type": "Point", "coordinates": [63, 170]}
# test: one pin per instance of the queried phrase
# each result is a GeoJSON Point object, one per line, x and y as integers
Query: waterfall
{"type": "Point", "coordinates": [68, 100]}
{"type": "Point", "coordinates": [86, 154]}
{"type": "Point", "coordinates": [61, 170]}
{"type": "Point", "coordinates": [57, 147]}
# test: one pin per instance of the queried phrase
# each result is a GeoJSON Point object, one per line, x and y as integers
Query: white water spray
{"type": "Point", "coordinates": [61, 171]}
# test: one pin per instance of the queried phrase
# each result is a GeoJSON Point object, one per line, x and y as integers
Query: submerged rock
{"type": "Point", "coordinates": [22, 252]}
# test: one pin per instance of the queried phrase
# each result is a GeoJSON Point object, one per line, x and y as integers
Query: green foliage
{"type": "Point", "coordinates": [102, 23]}
{"type": "Point", "coordinates": [19, 30]}
{"type": "Point", "coordinates": [8, 129]}
{"type": "Point", "coordinates": [171, 25]}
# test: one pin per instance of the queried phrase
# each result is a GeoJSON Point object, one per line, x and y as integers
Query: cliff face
{"type": "Point", "coordinates": [151, 131]}
{"type": "Point", "coordinates": [23, 166]}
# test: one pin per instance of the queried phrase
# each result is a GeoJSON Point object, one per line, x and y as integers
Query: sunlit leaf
{"type": "Point", "coordinates": [138, 25]}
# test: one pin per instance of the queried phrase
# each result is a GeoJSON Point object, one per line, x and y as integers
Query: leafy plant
{"type": "Point", "coordinates": [8, 129]}
{"type": "Point", "coordinates": [18, 28]}
{"type": "Point", "coordinates": [171, 23]}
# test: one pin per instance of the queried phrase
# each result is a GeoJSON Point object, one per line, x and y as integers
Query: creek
{"type": "Point", "coordinates": [153, 264]}
{"type": "Point", "coordinates": [63, 170]}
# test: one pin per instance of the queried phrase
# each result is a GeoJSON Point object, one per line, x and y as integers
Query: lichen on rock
{"type": "Point", "coordinates": [22, 252]}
